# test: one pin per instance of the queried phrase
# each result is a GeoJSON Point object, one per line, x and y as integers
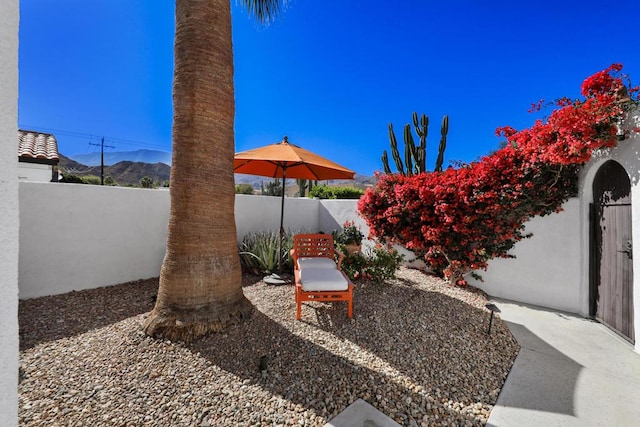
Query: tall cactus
{"type": "Point", "coordinates": [415, 156]}
{"type": "Point", "coordinates": [409, 150]}
{"type": "Point", "coordinates": [394, 151]}
{"type": "Point", "coordinates": [305, 186]}
{"type": "Point", "coordinates": [385, 163]}
{"type": "Point", "coordinates": [302, 187]}
{"type": "Point", "coordinates": [444, 129]}
{"type": "Point", "coordinates": [272, 189]}
{"type": "Point", "coordinates": [422, 129]}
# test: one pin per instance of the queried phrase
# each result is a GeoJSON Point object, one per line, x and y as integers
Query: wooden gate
{"type": "Point", "coordinates": [612, 266]}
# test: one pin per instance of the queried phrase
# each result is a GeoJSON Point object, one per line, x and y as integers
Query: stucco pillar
{"type": "Point", "coordinates": [9, 218]}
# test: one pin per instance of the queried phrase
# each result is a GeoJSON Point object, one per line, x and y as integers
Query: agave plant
{"type": "Point", "coordinates": [259, 252]}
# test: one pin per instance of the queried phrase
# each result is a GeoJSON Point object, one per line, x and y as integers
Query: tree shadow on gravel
{"type": "Point", "coordinates": [304, 376]}
{"type": "Point", "coordinates": [444, 337]}
{"type": "Point", "coordinates": [416, 355]}
{"type": "Point", "coordinates": [412, 354]}
{"type": "Point", "coordinates": [61, 316]}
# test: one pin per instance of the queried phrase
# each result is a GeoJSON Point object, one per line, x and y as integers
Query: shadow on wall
{"type": "Point", "coordinates": [328, 222]}
{"type": "Point", "coordinates": [334, 213]}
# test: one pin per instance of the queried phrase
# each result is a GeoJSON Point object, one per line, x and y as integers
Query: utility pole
{"type": "Point", "coordinates": [101, 145]}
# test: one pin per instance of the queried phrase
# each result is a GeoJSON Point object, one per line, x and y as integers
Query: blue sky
{"type": "Point", "coordinates": [329, 74]}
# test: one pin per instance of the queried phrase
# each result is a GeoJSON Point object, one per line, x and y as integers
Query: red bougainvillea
{"type": "Point", "coordinates": [460, 218]}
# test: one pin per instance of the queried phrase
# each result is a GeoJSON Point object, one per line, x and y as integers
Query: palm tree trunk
{"type": "Point", "coordinates": [200, 280]}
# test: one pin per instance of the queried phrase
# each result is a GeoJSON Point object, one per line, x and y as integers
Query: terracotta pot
{"type": "Point", "coordinates": [352, 248]}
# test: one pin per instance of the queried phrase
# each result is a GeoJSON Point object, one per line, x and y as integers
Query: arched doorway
{"type": "Point", "coordinates": [611, 284]}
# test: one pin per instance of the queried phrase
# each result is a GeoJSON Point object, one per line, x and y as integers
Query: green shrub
{"type": "Point", "coordinates": [71, 178]}
{"type": "Point", "coordinates": [244, 189]}
{"type": "Point", "coordinates": [321, 192]}
{"type": "Point", "coordinates": [383, 264]}
{"type": "Point", "coordinates": [348, 192]}
{"type": "Point", "coordinates": [91, 179]}
{"type": "Point", "coordinates": [325, 192]}
{"type": "Point", "coordinates": [147, 182]}
{"type": "Point", "coordinates": [259, 252]}
{"type": "Point", "coordinates": [376, 265]}
{"type": "Point", "coordinates": [353, 264]}
{"type": "Point", "coordinates": [350, 233]}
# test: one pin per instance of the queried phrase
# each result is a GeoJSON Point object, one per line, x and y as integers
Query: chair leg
{"type": "Point", "coordinates": [298, 305]}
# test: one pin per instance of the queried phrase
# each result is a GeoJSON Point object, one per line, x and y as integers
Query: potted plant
{"type": "Point", "coordinates": [350, 237]}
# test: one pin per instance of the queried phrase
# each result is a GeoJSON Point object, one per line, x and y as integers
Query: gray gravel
{"type": "Point", "coordinates": [416, 349]}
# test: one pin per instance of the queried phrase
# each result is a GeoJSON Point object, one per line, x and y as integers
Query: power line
{"type": "Point", "coordinates": [75, 134]}
{"type": "Point", "coordinates": [101, 145]}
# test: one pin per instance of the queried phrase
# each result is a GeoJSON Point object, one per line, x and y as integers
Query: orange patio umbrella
{"type": "Point", "coordinates": [285, 160]}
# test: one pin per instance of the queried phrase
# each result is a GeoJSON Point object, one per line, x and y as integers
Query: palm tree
{"type": "Point", "coordinates": [200, 281]}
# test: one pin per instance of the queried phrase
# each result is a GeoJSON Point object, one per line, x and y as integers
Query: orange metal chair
{"type": "Point", "coordinates": [318, 276]}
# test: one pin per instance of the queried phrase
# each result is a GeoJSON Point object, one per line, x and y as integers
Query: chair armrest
{"type": "Point", "coordinates": [340, 258]}
{"type": "Point", "coordinates": [294, 258]}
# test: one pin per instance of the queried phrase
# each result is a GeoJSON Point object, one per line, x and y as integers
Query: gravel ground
{"type": "Point", "coordinates": [416, 349]}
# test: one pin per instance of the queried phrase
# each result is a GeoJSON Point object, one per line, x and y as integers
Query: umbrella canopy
{"type": "Point", "coordinates": [285, 160]}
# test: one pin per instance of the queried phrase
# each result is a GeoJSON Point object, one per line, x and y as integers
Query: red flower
{"type": "Point", "coordinates": [458, 219]}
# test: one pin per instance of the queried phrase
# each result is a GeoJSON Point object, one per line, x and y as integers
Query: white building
{"type": "Point", "coordinates": [37, 156]}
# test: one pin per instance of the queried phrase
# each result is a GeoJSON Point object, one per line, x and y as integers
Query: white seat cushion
{"type": "Point", "coordinates": [322, 279]}
{"type": "Point", "coordinates": [316, 262]}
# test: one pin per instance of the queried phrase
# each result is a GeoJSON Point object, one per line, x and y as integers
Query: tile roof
{"type": "Point", "coordinates": [37, 147]}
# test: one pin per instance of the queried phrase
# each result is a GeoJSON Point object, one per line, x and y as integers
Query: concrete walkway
{"type": "Point", "coordinates": [361, 414]}
{"type": "Point", "coordinates": [570, 372]}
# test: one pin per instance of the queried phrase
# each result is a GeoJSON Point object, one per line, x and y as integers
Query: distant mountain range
{"type": "Point", "coordinates": [129, 170]}
{"type": "Point", "coordinates": [124, 172]}
{"type": "Point", "coordinates": [113, 157]}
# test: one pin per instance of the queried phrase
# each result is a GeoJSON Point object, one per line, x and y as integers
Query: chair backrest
{"type": "Point", "coordinates": [313, 245]}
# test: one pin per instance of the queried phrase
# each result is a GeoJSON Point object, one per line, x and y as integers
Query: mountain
{"type": "Point", "coordinates": [124, 173]}
{"type": "Point", "coordinates": [113, 157]}
{"type": "Point", "coordinates": [358, 181]}
{"type": "Point", "coordinates": [130, 173]}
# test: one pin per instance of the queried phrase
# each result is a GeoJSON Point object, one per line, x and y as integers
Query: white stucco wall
{"type": "Point", "coordinates": [75, 237]}
{"type": "Point", "coordinates": [9, 215]}
{"type": "Point", "coordinates": [547, 270]}
{"type": "Point", "coordinates": [334, 213]}
{"type": "Point", "coordinates": [262, 213]}
{"type": "Point", "coordinates": [552, 268]}
{"type": "Point", "coordinates": [34, 172]}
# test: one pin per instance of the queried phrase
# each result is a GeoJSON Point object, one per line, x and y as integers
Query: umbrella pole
{"type": "Point", "coordinates": [284, 180]}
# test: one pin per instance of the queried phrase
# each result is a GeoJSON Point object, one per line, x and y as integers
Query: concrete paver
{"type": "Point", "coordinates": [361, 414]}
{"type": "Point", "coordinates": [570, 372]}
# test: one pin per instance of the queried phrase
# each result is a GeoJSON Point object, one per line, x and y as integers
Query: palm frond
{"type": "Point", "coordinates": [264, 10]}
